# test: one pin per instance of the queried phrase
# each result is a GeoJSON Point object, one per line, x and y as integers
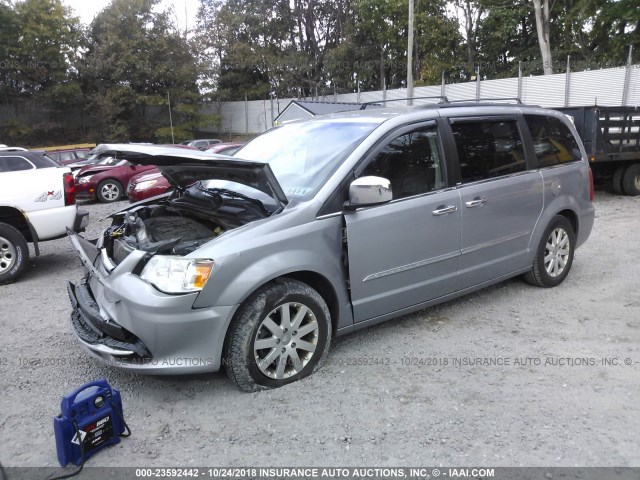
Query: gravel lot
{"type": "Point", "coordinates": [438, 410]}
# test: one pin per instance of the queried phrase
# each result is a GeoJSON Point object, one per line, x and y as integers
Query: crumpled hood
{"type": "Point", "coordinates": [184, 167]}
{"type": "Point", "coordinates": [93, 170]}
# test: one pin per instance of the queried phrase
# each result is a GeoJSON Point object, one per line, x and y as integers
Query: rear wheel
{"type": "Point", "coordinates": [631, 180]}
{"type": "Point", "coordinates": [109, 191]}
{"type": "Point", "coordinates": [616, 181]}
{"type": "Point", "coordinates": [14, 254]}
{"type": "Point", "coordinates": [554, 256]}
{"type": "Point", "coordinates": [279, 335]}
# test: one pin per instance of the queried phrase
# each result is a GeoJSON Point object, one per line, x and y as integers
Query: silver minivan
{"type": "Point", "coordinates": [322, 227]}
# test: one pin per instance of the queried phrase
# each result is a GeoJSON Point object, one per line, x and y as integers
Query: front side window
{"type": "Point", "coordinates": [411, 162]}
{"type": "Point", "coordinates": [14, 164]}
{"type": "Point", "coordinates": [553, 142]}
{"type": "Point", "coordinates": [488, 149]}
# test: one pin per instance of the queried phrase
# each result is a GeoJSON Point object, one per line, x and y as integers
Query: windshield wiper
{"type": "Point", "coordinates": [232, 194]}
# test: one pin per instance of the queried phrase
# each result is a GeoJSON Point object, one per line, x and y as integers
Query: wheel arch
{"type": "Point", "coordinates": [112, 179]}
{"type": "Point", "coordinates": [16, 218]}
{"type": "Point", "coordinates": [323, 286]}
{"type": "Point", "coordinates": [573, 219]}
{"type": "Point", "coordinates": [566, 208]}
{"type": "Point", "coordinates": [315, 280]}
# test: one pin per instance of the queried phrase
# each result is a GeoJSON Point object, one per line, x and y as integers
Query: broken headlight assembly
{"type": "Point", "coordinates": [173, 274]}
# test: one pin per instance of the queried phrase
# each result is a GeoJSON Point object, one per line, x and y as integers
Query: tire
{"type": "Point", "coordinates": [109, 191]}
{"type": "Point", "coordinates": [631, 180]}
{"type": "Point", "coordinates": [542, 273]}
{"type": "Point", "coordinates": [260, 319]}
{"type": "Point", "coordinates": [616, 181]}
{"type": "Point", "coordinates": [14, 254]}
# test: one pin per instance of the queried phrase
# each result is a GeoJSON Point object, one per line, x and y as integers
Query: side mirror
{"type": "Point", "coordinates": [366, 191]}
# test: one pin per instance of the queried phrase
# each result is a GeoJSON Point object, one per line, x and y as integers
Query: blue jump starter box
{"type": "Point", "coordinates": [91, 419]}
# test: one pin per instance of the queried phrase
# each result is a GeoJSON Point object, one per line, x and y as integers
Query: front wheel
{"type": "Point", "coordinates": [279, 335]}
{"type": "Point", "coordinates": [14, 254]}
{"type": "Point", "coordinates": [554, 256]}
{"type": "Point", "coordinates": [109, 191]}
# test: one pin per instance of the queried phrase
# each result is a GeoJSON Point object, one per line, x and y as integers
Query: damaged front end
{"type": "Point", "coordinates": [134, 307]}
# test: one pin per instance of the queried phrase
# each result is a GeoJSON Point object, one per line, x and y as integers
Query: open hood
{"type": "Point", "coordinates": [184, 167]}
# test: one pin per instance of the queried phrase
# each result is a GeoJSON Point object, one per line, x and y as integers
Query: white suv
{"type": "Point", "coordinates": [37, 202]}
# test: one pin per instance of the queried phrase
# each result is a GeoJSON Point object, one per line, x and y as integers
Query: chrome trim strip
{"type": "Point", "coordinates": [104, 349]}
{"type": "Point", "coordinates": [411, 266]}
{"type": "Point", "coordinates": [497, 241]}
{"type": "Point", "coordinates": [461, 185]}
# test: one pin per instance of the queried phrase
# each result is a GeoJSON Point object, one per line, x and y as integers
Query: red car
{"type": "Point", "coordinates": [152, 183]}
{"type": "Point", "coordinates": [105, 180]}
{"type": "Point", "coordinates": [147, 185]}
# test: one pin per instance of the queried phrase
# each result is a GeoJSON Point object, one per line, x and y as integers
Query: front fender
{"type": "Point", "coordinates": [237, 276]}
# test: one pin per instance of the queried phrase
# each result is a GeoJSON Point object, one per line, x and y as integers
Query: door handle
{"type": "Point", "coordinates": [476, 202]}
{"type": "Point", "coordinates": [445, 210]}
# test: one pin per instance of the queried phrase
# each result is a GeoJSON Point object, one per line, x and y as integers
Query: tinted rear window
{"type": "Point", "coordinates": [553, 142]}
{"type": "Point", "coordinates": [14, 164]}
{"type": "Point", "coordinates": [488, 149]}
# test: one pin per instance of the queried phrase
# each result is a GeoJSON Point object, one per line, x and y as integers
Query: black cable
{"type": "Point", "coordinates": [79, 469]}
{"type": "Point", "coordinates": [3, 474]}
{"type": "Point", "coordinates": [126, 427]}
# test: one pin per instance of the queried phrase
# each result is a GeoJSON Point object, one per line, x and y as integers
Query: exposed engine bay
{"type": "Point", "coordinates": [181, 223]}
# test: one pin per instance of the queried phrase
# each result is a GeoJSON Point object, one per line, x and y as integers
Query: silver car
{"type": "Point", "coordinates": [319, 228]}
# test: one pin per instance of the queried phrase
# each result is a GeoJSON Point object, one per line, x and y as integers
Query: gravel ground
{"type": "Point", "coordinates": [439, 409]}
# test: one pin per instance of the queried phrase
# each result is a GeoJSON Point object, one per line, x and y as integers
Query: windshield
{"type": "Point", "coordinates": [303, 156]}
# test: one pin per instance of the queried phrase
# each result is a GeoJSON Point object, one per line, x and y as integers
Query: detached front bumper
{"type": "Point", "coordinates": [124, 321]}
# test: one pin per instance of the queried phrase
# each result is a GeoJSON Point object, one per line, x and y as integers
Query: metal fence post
{"type": "Point", "coordinates": [627, 77]}
{"type": "Point", "coordinates": [246, 114]}
{"type": "Point", "coordinates": [272, 117]}
{"type": "Point", "coordinates": [567, 82]}
{"type": "Point", "coordinates": [520, 80]}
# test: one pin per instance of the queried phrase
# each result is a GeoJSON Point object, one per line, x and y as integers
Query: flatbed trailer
{"type": "Point", "coordinates": [611, 136]}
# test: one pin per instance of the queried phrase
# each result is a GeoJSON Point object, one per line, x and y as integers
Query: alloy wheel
{"type": "Point", "coordinates": [286, 340]}
{"type": "Point", "coordinates": [556, 252]}
{"type": "Point", "coordinates": [110, 191]}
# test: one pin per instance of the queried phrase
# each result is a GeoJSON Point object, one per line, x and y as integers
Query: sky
{"type": "Point", "coordinates": [88, 9]}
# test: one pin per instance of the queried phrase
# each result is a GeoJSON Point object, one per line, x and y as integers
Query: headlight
{"type": "Point", "coordinates": [84, 179]}
{"type": "Point", "coordinates": [177, 274]}
{"type": "Point", "coordinates": [145, 185]}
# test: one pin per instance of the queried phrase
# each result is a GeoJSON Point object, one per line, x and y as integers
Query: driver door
{"type": "Point", "coordinates": [405, 252]}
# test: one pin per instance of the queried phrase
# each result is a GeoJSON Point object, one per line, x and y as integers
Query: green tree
{"type": "Point", "coordinates": [304, 47]}
{"type": "Point", "coordinates": [134, 57]}
{"type": "Point", "coordinates": [39, 41]}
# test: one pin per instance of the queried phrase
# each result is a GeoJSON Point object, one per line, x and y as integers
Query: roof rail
{"type": "Point", "coordinates": [4, 148]}
{"type": "Point", "coordinates": [517, 99]}
{"type": "Point", "coordinates": [442, 98]}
